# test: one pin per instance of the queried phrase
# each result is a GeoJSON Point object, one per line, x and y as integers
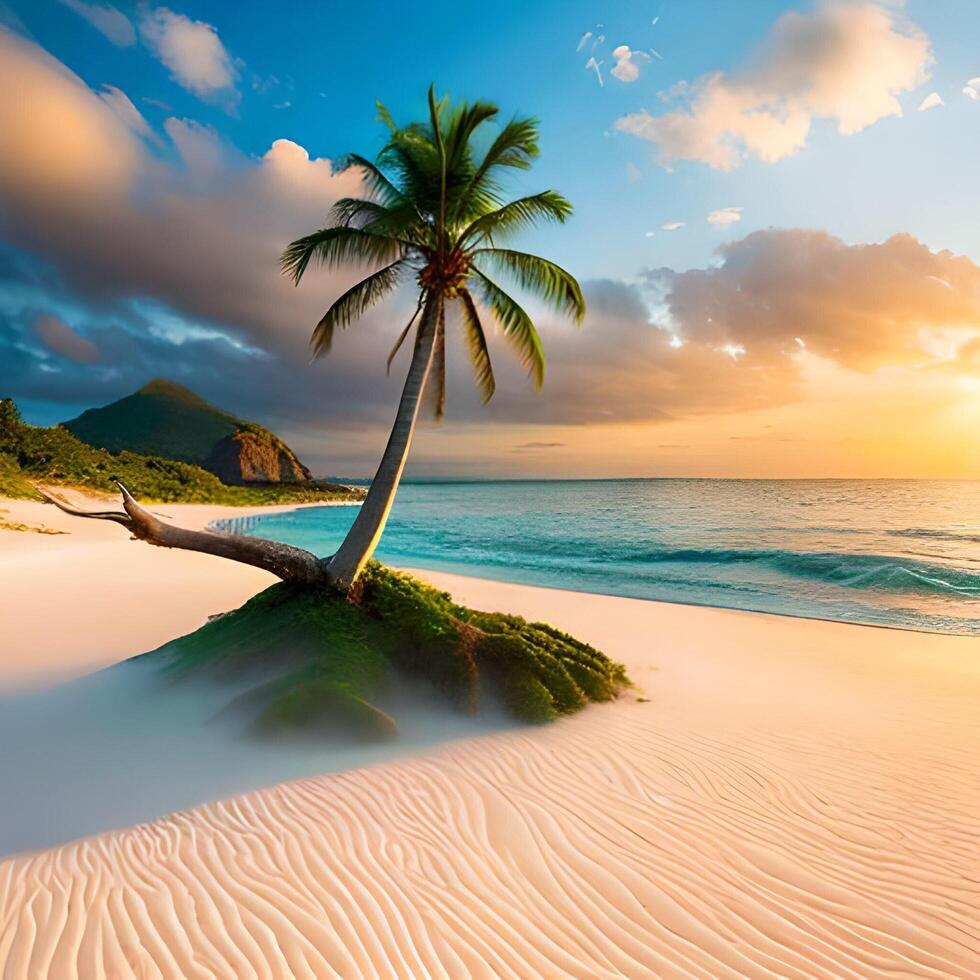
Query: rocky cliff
{"type": "Point", "coordinates": [254, 455]}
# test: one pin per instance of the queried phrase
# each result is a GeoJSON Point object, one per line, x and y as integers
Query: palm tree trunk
{"type": "Point", "coordinates": [365, 533]}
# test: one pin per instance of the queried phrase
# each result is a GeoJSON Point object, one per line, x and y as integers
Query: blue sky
{"type": "Point", "coordinates": [309, 73]}
{"type": "Point", "coordinates": [332, 60]}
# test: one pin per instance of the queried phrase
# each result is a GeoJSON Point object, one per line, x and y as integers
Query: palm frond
{"type": "Point", "coordinates": [413, 160]}
{"type": "Point", "coordinates": [404, 333]}
{"type": "Point", "coordinates": [540, 276]}
{"type": "Point", "coordinates": [525, 211]}
{"type": "Point", "coordinates": [435, 386]}
{"type": "Point", "coordinates": [353, 304]}
{"type": "Point", "coordinates": [515, 323]}
{"type": "Point", "coordinates": [334, 247]}
{"type": "Point", "coordinates": [376, 179]}
{"type": "Point", "coordinates": [516, 146]}
{"type": "Point", "coordinates": [441, 148]}
{"type": "Point", "coordinates": [476, 343]}
{"type": "Point", "coordinates": [385, 116]}
{"type": "Point", "coordinates": [398, 220]}
{"type": "Point", "coordinates": [463, 123]}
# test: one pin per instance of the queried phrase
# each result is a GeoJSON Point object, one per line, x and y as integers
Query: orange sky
{"type": "Point", "coordinates": [790, 351]}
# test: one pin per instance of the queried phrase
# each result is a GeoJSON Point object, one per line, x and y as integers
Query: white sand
{"type": "Point", "coordinates": [797, 799]}
{"type": "Point", "coordinates": [78, 601]}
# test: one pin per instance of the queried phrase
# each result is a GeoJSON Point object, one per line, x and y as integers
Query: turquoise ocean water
{"type": "Point", "coordinates": [886, 552]}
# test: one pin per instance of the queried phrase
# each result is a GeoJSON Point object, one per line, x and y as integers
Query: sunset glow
{"type": "Point", "coordinates": [807, 303]}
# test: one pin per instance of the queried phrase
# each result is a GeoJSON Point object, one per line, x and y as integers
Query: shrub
{"type": "Point", "coordinates": [330, 656]}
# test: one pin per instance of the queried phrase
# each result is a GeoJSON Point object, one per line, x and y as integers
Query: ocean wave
{"type": "Point", "coordinates": [877, 572]}
{"type": "Point", "coordinates": [929, 532]}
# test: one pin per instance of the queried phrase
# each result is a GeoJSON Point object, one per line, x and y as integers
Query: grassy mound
{"type": "Point", "coordinates": [54, 455]}
{"type": "Point", "coordinates": [13, 483]}
{"type": "Point", "coordinates": [332, 656]}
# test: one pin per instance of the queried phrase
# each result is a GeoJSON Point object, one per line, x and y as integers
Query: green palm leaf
{"type": "Point", "coordinates": [433, 204]}
{"type": "Point", "coordinates": [463, 123]}
{"type": "Point", "coordinates": [376, 180]}
{"type": "Point", "coordinates": [399, 220]}
{"type": "Point", "coordinates": [476, 343]}
{"type": "Point", "coordinates": [540, 276]}
{"type": "Point", "coordinates": [516, 146]}
{"type": "Point", "coordinates": [516, 325]}
{"type": "Point", "coordinates": [441, 148]}
{"type": "Point", "coordinates": [334, 247]}
{"type": "Point", "coordinates": [352, 305]}
{"type": "Point", "coordinates": [524, 212]}
{"type": "Point", "coordinates": [436, 383]}
{"type": "Point", "coordinates": [404, 333]}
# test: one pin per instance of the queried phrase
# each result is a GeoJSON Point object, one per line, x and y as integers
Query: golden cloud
{"type": "Point", "coordinates": [844, 61]}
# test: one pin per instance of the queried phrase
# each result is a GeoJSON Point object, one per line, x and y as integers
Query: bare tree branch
{"type": "Point", "coordinates": [294, 565]}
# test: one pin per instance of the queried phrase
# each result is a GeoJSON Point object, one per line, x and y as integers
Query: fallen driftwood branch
{"type": "Point", "coordinates": [294, 565]}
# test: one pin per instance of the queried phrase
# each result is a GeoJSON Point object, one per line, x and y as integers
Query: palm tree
{"type": "Point", "coordinates": [435, 214]}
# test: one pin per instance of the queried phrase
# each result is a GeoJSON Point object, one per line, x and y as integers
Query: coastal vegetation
{"type": "Point", "coordinates": [331, 656]}
{"type": "Point", "coordinates": [338, 626]}
{"type": "Point", "coordinates": [53, 455]}
{"type": "Point", "coordinates": [166, 419]}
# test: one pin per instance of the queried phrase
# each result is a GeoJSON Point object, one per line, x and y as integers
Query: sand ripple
{"type": "Point", "coordinates": [792, 826]}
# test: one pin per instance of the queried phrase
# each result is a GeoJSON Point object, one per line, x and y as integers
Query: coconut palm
{"type": "Point", "coordinates": [434, 217]}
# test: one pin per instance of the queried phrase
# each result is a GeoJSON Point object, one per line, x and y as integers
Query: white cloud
{"type": "Point", "coordinates": [112, 23]}
{"type": "Point", "coordinates": [725, 216]}
{"type": "Point", "coordinates": [774, 288]}
{"type": "Point", "coordinates": [127, 113]}
{"type": "Point", "coordinates": [932, 101]}
{"type": "Point", "coordinates": [627, 68]}
{"type": "Point", "coordinates": [972, 89]}
{"type": "Point", "coordinates": [193, 52]}
{"type": "Point", "coordinates": [649, 234]}
{"type": "Point", "coordinates": [844, 61]}
{"type": "Point", "coordinates": [597, 67]}
{"type": "Point", "coordinates": [673, 225]}
{"type": "Point", "coordinates": [203, 236]}
{"type": "Point", "coordinates": [61, 142]}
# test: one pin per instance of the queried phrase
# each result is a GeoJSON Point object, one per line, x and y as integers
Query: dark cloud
{"type": "Point", "coordinates": [38, 365]}
{"type": "Point", "coordinates": [165, 263]}
{"type": "Point", "coordinates": [59, 338]}
{"type": "Point", "coordinates": [202, 234]}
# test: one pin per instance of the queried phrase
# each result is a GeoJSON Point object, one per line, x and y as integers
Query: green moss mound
{"type": "Point", "coordinates": [333, 656]}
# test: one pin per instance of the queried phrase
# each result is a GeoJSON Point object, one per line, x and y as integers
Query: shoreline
{"type": "Point", "coordinates": [423, 572]}
{"type": "Point", "coordinates": [91, 635]}
{"type": "Point", "coordinates": [778, 796]}
{"type": "Point", "coordinates": [474, 573]}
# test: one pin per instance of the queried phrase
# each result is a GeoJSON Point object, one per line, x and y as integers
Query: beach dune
{"type": "Point", "coordinates": [778, 797]}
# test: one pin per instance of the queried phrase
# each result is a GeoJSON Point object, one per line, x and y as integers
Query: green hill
{"type": "Point", "coordinates": [54, 455]}
{"type": "Point", "coordinates": [165, 419]}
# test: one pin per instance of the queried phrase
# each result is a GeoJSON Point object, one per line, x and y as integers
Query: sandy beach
{"type": "Point", "coordinates": [779, 797]}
